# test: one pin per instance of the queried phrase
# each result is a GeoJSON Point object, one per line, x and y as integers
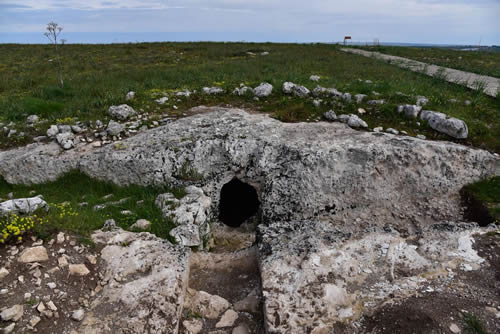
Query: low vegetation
{"type": "Point", "coordinates": [98, 76]}
{"type": "Point", "coordinates": [482, 61]}
{"type": "Point", "coordinates": [72, 207]}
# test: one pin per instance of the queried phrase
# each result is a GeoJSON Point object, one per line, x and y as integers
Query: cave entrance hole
{"type": "Point", "coordinates": [238, 202]}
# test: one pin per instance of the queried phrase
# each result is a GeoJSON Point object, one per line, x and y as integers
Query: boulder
{"type": "Point", "coordinates": [263, 90]}
{"type": "Point", "coordinates": [227, 320]}
{"type": "Point", "coordinates": [299, 91]}
{"type": "Point", "coordinates": [207, 305]}
{"type": "Point", "coordinates": [121, 112]}
{"type": "Point", "coordinates": [353, 121]}
{"type": "Point", "coordinates": [25, 206]}
{"type": "Point", "coordinates": [314, 78]}
{"type": "Point", "coordinates": [440, 122]}
{"type": "Point", "coordinates": [242, 90]}
{"type": "Point", "coordinates": [410, 110]}
{"type": "Point", "coordinates": [141, 224]}
{"type": "Point", "coordinates": [422, 101]}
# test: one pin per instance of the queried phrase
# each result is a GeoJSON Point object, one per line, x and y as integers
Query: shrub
{"type": "Point", "coordinates": [14, 226]}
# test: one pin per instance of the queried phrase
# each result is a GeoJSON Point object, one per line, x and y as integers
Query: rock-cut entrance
{"type": "Point", "coordinates": [238, 202]}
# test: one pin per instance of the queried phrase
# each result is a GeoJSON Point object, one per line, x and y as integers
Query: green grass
{"type": "Point", "coordinates": [97, 76]}
{"type": "Point", "coordinates": [76, 188]}
{"type": "Point", "coordinates": [472, 324]}
{"type": "Point", "coordinates": [480, 62]}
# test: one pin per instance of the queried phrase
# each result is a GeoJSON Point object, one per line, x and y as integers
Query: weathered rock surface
{"type": "Point", "coordinates": [22, 206]}
{"type": "Point", "coordinates": [301, 170]}
{"type": "Point", "coordinates": [190, 214]}
{"type": "Point", "coordinates": [315, 274]}
{"type": "Point", "coordinates": [440, 122]}
{"type": "Point", "coordinates": [146, 276]}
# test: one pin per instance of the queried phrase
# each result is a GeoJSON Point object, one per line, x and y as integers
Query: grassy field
{"type": "Point", "coordinates": [481, 62]}
{"type": "Point", "coordinates": [65, 196]}
{"type": "Point", "coordinates": [97, 76]}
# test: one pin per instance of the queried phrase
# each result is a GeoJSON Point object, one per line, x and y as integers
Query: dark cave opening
{"type": "Point", "coordinates": [238, 202]}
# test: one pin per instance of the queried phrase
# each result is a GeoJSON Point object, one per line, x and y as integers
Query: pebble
{"type": "Point", "coordinates": [227, 319]}
{"type": "Point", "coordinates": [78, 270]}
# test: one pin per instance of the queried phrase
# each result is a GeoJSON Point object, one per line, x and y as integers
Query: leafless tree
{"type": "Point", "coordinates": [53, 31]}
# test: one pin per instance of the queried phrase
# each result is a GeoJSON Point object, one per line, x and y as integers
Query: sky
{"type": "Point", "coordinates": [467, 22]}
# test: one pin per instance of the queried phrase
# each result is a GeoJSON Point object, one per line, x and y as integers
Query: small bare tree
{"type": "Point", "coordinates": [53, 31]}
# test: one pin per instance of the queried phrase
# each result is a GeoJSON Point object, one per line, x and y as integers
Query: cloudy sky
{"type": "Point", "coordinates": [412, 21]}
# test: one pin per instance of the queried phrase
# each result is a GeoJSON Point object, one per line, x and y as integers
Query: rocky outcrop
{"type": "Point", "coordinates": [146, 279]}
{"type": "Point", "coordinates": [300, 170]}
{"type": "Point", "coordinates": [315, 275]}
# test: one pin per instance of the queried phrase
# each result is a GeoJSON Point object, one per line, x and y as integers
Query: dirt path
{"type": "Point", "coordinates": [490, 85]}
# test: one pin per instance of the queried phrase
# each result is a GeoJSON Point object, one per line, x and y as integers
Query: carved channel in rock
{"type": "Point", "coordinates": [238, 202]}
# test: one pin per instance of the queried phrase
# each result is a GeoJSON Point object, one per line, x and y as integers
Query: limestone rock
{"type": "Point", "coordinates": [32, 119]}
{"type": "Point", "coordinates": [212, 90]}
{"type": "Point", "coordinates": [359, 98]}
{"type": "Point", "coordinates": [330, 116]}
{"type": "Point", "coordinates": [34, 254]}
{"type": "Point", "coordinates": [263, 90]}
{"type": "Point", "coordinates": [78, 315]}
{"type": "Point", "coordinates": [327, 92]}
{"type": "Point", "coordinates": [410, 111]}
{"type": "Point", "coordinates": [240, 330]}
{"type": "Point", "coordinates": [141, 224]}
{"type": "Point", "coordinates": [147, 276]}
{"type": "Point", "coordinates": [78, 270]}
{"type": "Point", "coordinates": [227, 319]}
{"type": "Point", "coordinates": [66, 140]}
{"type": "Point", "coordinates": [375, 102]}
{"type": "Point", "coordinates": [422, 101]}
{"type": "Point", "coordinates": [13, 313]}
{"type": "Point", "coordinates": [24, 206]}
{"type": "Point", "coordinates": [162, 100]}
{"type": "Point", "coordinates": [300, 169]}
{"type": "Point", "coordinates": [353, 121]}
{"type": "Point", "coordinates": [295, 263]}
{"type": "Point", "coordinates": [9, 329]}
{"type": "Point", "coordinates": [193, 326]}
{"type": "Point", "coordinates": [121, 112]}
{"type": "Point", "coordinates": [52, 131]}
{"type": "Point", "coordinates": [130, 96]}
{"type": "Point", "coordinates": [209, 306]}
{"type": "Point", "coordinates": [291, 88]}
{"type": "Point", "coordinates": [3, 273]}
{"type": "Point", "coordinates": [248, 304]}
{"type": "Point", "coordinates": [440, 122]}
{"type": "Point", "coordinates": [242, 90]}
{"type": "Point", "coordinates": [114, 128]}
{"type": "Point", "coordinates": [190, 214]}
{"type": "Point", "coordinates": [314, 78]}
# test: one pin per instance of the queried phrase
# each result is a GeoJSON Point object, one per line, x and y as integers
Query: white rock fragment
{"type": "Point", "coordinates": [263, 90]}
{"type": "Point", "coordinates": [193, 326]}
{"type": "Point", "coordinates": [78, 315]}
{"type": "Point", "coordinates": [78, 270]}
{"type": "Point", "coordinates": [227, 320]}
{"type": "Point", "coordinates": [212, 90]}
{"type": "Point", "coordinates": [130, 96]}
{"type": "Point", "coordinates": [34, 254]}
{"type": "Point", "coordinates": [141, 224]}
{"type": "Point", "coordinates": [121, 112]}
{"type": "Point", "coordinates": [314, 78]}
{"type": "Point", "coordinates": [24, 206]}
{"type": "Point", "coordinates": [3, 273]}
{"type": "Point", "coordinates": [13, 313]}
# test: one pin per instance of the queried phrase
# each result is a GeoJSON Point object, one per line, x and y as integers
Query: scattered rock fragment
{"type": "Point", "coordinates": [440, 122]}
{"type": "Point", "coordinates": [13, 313]}
{"type": "Point", "coordinates": [193, 326]}
{"type": "Point", "coordinates": [141, 224]}
{"type": "Point", "coordinates": [78, 270]}
{"type": "Point", "coordinates": [209, 306]}
{"type": "Point", "coordinates": [314, 78]}
{"type": "Point", "coordinates": [3, 273]}
{"type": "Point", "coordinates": [78, 315]}
{"type": "Point", "coordinates": [114, 128]}
{"type": "Point", "coordinates": [34, 254]}
{"type": "Point", "coordinates": [130, 96]}
{"type": "Point", "coordinates": [330, 116]}
{"type": "Point", "coordinates": [66, 140]}
{"type": "Point", "coordinates": [162, 100]}
{"type": "Point", "coordinates": [227, 319]}
{"type": "Point", "coordinates": [52, 131]}
{"type": "Point", "coordinates": [212, 90]}
{"type": "Point", "coordinates": [263, 90]}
